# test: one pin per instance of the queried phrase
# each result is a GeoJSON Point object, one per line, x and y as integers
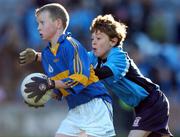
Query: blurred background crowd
{"type": "Point", "coordinates": [153, 40]}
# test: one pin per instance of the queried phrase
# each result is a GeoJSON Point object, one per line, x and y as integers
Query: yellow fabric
{"type": "Point", "coordinates": [71, 83]}
{"type": "Point", "coordinates": [77, 78]}
{"type": "Point", "coordinates": [59, 77]}
{"type": "Point", "coordinates": [92, 77]}
{"type": "Point", "coordinates": [54, 48]}
{"type": "Point", "coordinates": [80, 78]}
{"type": "Point", "coordinates": [83, 79]}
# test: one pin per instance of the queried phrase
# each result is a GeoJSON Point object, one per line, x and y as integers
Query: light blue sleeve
{"type": "Point", "coordinates": [93, 59]}
{"type": "Point", "coordinates": [118, 62]}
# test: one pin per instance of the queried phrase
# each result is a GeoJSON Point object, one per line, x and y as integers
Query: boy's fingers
{"type": "Point", "coordinates": [22, 57]}
{"type": "Point", "coordinates": [23, 53]}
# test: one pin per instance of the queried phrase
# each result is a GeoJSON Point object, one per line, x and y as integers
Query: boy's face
{"type": "Point", "coordinates": [101, 44]}
{"type": "Point", "coordinates": [46, 26]}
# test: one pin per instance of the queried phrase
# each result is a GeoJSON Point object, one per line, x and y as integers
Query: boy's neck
{"type": "Point", "coordinates": [54, 40]}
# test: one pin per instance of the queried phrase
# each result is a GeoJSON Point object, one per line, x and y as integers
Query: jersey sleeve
{"type": "Point", "coordinates": [118, 62]}
{"type": "Point", "coordinates": [78, 65]}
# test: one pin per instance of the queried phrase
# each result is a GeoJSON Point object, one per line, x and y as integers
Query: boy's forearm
{"type": "Point", "coordinates": [60, 84]}
{"type": "Point", "coordinates": [39, 56]}
{"type": "Point", "coordinates": [103, 72]}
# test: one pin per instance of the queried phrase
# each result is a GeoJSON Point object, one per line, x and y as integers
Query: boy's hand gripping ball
{"type": "Point", "coordinates": [36, 89]}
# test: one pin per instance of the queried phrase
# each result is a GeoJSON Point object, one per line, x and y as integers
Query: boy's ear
{"type": "Point", "coordinates": [59, 23]}
{"type": "Point", "coordinates": [114, 41]}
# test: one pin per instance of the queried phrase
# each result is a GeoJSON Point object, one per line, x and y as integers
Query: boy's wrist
{"type": "Point", "coordinates": [36, 57]}
{"type": "Point", "coordinates": [51, 83]}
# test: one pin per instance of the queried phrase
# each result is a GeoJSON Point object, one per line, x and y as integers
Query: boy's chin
{"type": "Point", "coordinates": [45, 39]}
{"type": "Point", "coordinates": [97, 55]}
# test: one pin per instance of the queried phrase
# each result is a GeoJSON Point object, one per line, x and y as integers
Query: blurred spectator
{"type": "Point", "coordinates": [81, 15]}
{"type": "Point", "coordinates": [2, 94]}
{"type": "Point", "coordinates": [30, 26]}
{"type": "Point", "coordinates": [177, 32]}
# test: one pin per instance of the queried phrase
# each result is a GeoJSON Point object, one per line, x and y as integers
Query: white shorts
{"type": "Point", "coordinates": [94, 118]}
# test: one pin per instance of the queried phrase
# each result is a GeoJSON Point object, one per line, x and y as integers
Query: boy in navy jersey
{"type": "Point", "coordinates": [70, 73]}
{"type": "Point", "coordinates": [119, 74]}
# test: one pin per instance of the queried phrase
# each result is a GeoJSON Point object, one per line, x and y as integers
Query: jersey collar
{"type": "Point", "coordinates": [61, 38]}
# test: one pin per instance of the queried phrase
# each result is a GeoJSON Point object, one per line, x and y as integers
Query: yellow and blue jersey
{"type": "Point", "coordinates": [68, 61]}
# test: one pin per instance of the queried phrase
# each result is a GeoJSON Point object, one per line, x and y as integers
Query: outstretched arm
{"type": "Point", "coordinates": [28, 56]}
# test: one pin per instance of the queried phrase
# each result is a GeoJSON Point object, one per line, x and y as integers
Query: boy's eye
{"type": "Point", "coordinates": [41, 22]}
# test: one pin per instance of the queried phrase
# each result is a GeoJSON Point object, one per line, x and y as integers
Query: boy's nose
{"type": "Point", "coordinates": [39, 29]}
{"type": "Point", "coordinates": [93, 43]}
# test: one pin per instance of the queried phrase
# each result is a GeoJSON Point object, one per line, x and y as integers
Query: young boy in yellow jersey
{"type": "Point", "coordinates": [66, 63]}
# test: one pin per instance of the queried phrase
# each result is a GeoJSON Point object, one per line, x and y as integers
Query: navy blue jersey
{"type": "Point", "coordinates": [70, 63]}
{"type": "Point", "coordinates": [127, 82]}
{"type": "Point", "coordinates": [151, 105]}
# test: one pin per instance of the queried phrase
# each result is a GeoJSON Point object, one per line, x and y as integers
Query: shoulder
{"type": "Point", "coordinates": [71, 43]}
{"type": "Point", "coordinates": [116, 50]}
{"type": "Point", "coordinates": [66, 47]}
{"type": "Point", "coordinates": [116, 53]}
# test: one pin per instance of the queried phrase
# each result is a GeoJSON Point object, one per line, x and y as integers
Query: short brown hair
{"type": "Point", "coordinates": [109, 26]}
{"type": "Point", "coordinates": [56, 11]}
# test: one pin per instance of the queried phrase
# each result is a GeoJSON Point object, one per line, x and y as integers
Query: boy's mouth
{"type": "Point", "coordinates": [41, 35]}
{"type": "Point", "coordinates": [94, 49]}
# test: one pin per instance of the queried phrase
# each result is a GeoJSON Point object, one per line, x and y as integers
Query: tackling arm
{"type": "Point", "coordinates": [103, 72]}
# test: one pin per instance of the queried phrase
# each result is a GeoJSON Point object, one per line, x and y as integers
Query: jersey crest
{"type": "Point", "coordinates": [50, 69]}
{"type": "Point", "coordinates": [136, 122]}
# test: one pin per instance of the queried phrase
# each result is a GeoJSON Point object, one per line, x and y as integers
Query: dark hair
{"type": "Point", "coordinates": [109, 26]}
